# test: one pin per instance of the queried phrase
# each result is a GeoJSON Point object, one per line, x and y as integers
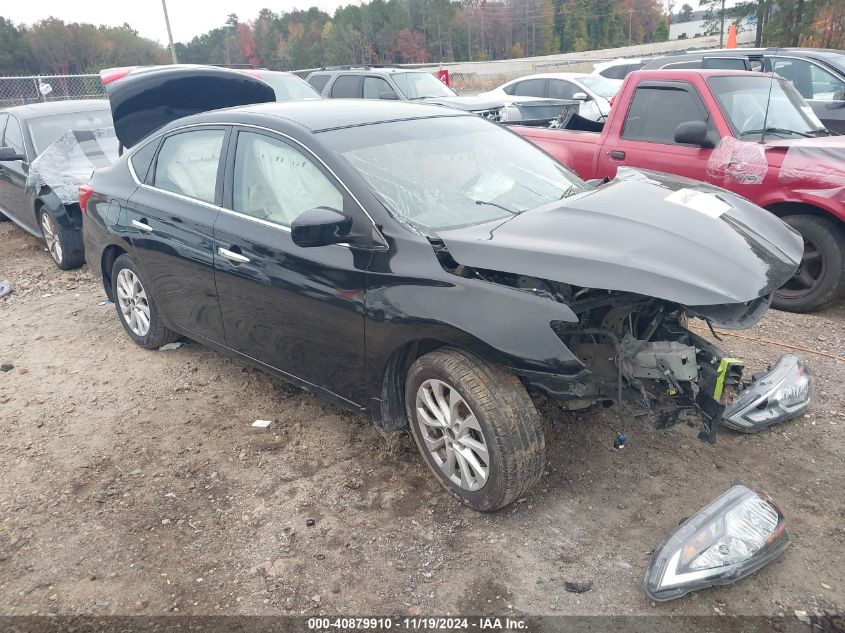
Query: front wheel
{"type": "Point", "coordinates": [136, 307]}
{"type": "Point", "coordinates": [821, 276]}
{"type": "Point", "coordinates": [476, 428]}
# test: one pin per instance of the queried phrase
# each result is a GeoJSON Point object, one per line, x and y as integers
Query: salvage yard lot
{"type": "Point", "coordinates": [131, 482]}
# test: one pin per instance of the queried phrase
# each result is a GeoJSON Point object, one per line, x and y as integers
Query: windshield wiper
{"type": "Point", "coordinates": [776, 130]}
{"type": "Point", "coordinates": [497, 205]}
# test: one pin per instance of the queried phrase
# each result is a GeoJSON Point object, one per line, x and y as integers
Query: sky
{"type": "Point", "coordinates": [188, 18]}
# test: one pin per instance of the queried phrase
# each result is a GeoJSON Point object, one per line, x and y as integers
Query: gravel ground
{"type": "Point", "coordinates": [131, 482]}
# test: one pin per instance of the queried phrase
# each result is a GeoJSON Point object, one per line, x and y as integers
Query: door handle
{"type": "Point", "coordinates": [232, 256]}
{"type": "Point", "coordinates": [142, 226]}
{"type": "Point", "coordinates": [617, 154]}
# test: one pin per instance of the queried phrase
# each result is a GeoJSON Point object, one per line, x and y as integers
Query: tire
{"type": "Point", "coordinates": [63, 243]}
{"type": "Point", "coordinates": [506, 424]}
{"type": "Point", "coordinates": [3, 218]}
{"type": "Point", "coordinates": [127, 296]}
{"type": "Point", "coordinates": [821, 276]}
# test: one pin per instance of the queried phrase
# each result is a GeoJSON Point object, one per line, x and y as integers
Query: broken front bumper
{"type": "Point", "coordinates": [782, 393]}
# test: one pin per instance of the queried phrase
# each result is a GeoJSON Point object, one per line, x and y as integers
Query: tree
{"type": "Point", "coordinates": [410, 47]}
{"type": "Point", "coordinates": [685, 14]}
{"type": "Point", "coordinates": [14, 50]}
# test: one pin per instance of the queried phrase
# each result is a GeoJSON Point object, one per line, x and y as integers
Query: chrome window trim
{"type": "Point", "coordinates": [236, 213]}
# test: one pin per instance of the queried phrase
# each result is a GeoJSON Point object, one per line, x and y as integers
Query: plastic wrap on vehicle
{"type": "Point", "coordinates": [737, 162]}
{"type": "Point", "coordinates": [815, 167]}
{"type": "Point", "coordinates": [71, 160]}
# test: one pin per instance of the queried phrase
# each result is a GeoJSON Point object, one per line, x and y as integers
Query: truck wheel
{"type": "Point", "coordinates": [136, 307]}
{"type": "Point", "coordinates": [821, 276]}
{"type": "Point", "coordinates": [63, 243]}
{"type": "Point", "coordinates": [476, 428]}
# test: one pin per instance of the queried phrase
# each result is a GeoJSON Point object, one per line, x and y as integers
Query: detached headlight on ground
{"type": "Point", "coordinates": [781, 394]}
{"type": "Point", "coordinates": [736, 535]}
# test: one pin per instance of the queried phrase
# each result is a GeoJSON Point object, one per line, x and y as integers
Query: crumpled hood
{"type": "Point", "coordinates": [469, 104]}
{"type": "Point", "coordinates": [649, 233]}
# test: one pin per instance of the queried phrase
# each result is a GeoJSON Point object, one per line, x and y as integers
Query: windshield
{"type": "Point", "coordinates": [421, 85]}
{"type": "Point", "coordinates": [446, 172]}
{"type": "Point", "coordinates": [289, 87]}
{"type": "Point", "coordinates": [745, 102]}
{"type": "Point", "coordinates": [46, 130]}
{"type": "Point", "coordinates": [602, 86]}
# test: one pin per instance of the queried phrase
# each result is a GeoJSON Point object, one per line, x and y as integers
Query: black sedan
{"type": "Point", "coordinates": [429, 269]}
{"type": "Point", "coordinates": [44, 201]}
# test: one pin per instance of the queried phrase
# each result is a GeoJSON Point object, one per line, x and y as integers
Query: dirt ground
{"type": "Point", "coordinates": [131, 482]}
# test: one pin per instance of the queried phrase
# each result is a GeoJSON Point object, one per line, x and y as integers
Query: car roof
{"type": "Point", "coordinates": [34, 110]}
{"type": "Point", "coordinates": [658, 74]}
{"type": "Point", "coordinates": [330, 114]}
{"type": "Point", "coordinates": [575, 76]}
{"type": "Point", "coordinates": [366, 70]}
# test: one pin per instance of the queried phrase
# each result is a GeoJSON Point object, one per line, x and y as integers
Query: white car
{"type": "Point", "coordinates": [593, 91]}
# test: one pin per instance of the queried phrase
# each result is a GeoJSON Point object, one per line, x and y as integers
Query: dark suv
{"type": "Point", "coordinates": [818, 74]}
{"type": "Point", "coordinates": [401, 84]}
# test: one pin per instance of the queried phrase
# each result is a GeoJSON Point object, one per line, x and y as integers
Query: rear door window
{"type": "Point", "coordinates": [656, 112]}
{"type": "Point", "coordinates": [188, 164]}
{"type": "Point", "coordinates": [531, 88]}
{"type": "Point", "coordinates": [347, 86]}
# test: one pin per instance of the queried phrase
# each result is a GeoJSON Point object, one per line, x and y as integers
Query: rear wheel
{"type": "Point", "coordinates": [136, 307]}
{"type": "Point", "coordinates": [63, 243]}
{"type": "Point", "coordinates": [476, 428]}
{"type": "Point", "coordinates": [821, 276]}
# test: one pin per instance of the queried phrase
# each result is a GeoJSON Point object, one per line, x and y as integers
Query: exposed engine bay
{"type": "Point", "coordinates": [639, 350]}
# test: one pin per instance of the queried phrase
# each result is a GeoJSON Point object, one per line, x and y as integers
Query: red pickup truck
{"type": "Point", "coordinates": [748, 132]}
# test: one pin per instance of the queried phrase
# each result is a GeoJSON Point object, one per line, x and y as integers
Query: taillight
{"type": "Point", "coordinates": [85, 193]}
{"type": "Point", "coordinates": [109, 75]}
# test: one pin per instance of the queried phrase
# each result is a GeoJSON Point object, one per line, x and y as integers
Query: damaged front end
{"type": "Point", "coordinates": [632, 261]}
{"type": "Point", "coordinates": [640, 350]}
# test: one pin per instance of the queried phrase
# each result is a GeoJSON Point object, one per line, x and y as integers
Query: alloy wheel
{"type": "Point", "coordinates": [452, 435]}
{"type": "Point", "coordinates": [133, 302]}
{"type": "Point", "coordinates": [809, 274]}
{"type": "Point", "coordinates": [51, 236]}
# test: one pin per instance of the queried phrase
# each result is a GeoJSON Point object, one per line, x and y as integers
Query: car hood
{"type": "Point", "coordinates": [648, 233]}
{"type": "Point", "coordinates": [146, 100]}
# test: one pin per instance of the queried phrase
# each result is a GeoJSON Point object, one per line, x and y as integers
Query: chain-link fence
{"type": "Point", "coordinates": [23, 90]}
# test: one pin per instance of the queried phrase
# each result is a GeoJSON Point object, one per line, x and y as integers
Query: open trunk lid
{"type": "Point", "coordinates": [145, 99]}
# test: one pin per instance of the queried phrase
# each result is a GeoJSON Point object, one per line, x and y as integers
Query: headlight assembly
{"type": "Point", "coordinates": [782, 393]}
{"type": "Point", "coordinates": [736, 535]}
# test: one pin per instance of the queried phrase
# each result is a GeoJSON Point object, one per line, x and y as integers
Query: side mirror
{"type": "Point", "coordinates": [693, 133]}
{"type": "Point", "coordinates": [320, 226]}
{"type": "Point", "coordinates": [389, 96]}
{"type": "Point", "coordinates": [10, 153]}
{"type": "Point", "coordinates": [581, 96]}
